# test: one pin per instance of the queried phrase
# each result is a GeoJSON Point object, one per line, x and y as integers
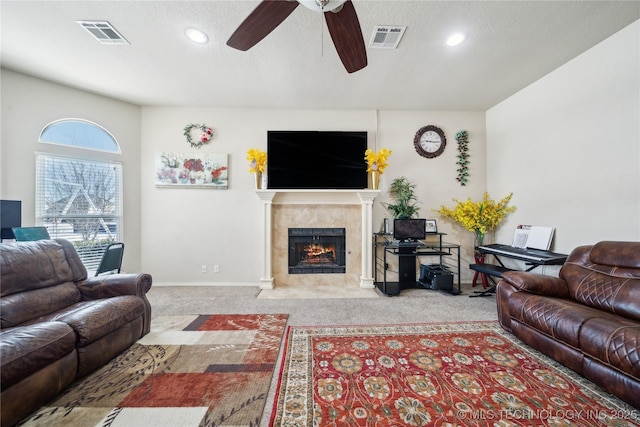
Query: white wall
{"type": "Point", "coordinates": [28, 105]}
{"type": "Point", "coordinates": [568, 146]}
{"type": "Point", "coordinates": [184, 229]}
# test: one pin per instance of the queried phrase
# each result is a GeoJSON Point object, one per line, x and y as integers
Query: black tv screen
{"type": "Point", "coordinates": [409, 229]}
{"type": "Point", "coordinates": [10, 216]}
{"type": "Point", "coordinates": [316, 160]}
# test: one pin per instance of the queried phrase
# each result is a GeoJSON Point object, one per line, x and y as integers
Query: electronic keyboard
{"type": "Point", "coordinates": [538, 256]}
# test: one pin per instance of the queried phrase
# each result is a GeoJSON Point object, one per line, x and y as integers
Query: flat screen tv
{"type": "Point", "coordinates": [10, 216]}
{"type": "Point", "coordinates": [316, 160]}
{"type": "Point", "coordinates": [409, 229]}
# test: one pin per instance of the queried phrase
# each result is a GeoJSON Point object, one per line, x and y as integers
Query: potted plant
{"type": "Point", "coordinates": [405, 203]}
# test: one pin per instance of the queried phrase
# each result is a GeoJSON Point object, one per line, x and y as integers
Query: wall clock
{"type": "Point", "coordinates": [430, 141]}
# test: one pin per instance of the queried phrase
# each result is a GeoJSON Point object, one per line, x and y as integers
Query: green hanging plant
{"type": "Point", "coordinates": [463, 158]}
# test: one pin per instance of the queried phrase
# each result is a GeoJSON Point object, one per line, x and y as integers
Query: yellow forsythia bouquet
{"type": "Point", "coordinates": [478, 217]}
{"type": "Point", "coordinates": [257, 160]}
{"type": "Point", "coordinates": [377, 161]}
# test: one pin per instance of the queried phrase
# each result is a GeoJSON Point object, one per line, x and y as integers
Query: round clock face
{"type": "Point", "coordinates": [430, 141]}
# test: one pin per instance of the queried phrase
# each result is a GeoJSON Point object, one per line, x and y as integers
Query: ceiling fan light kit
{"type": "Point", "coordinates": [322, 5]}
{"type": "Point", "coordinates": [340, 16]}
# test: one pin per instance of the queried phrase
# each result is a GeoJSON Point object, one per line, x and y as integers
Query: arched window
{"type": "Point", "coordinates": [81, 134]}
{"type": "Point", "coordinates": [79, 198]}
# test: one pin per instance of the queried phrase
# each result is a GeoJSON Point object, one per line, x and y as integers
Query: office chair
{"type": "Point", "coordinates": [29, 234]}
{"type": "Point", "coordinates": [111, 260]}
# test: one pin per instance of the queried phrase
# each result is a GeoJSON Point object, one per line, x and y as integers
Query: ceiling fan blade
{"type": "Point", "coordinates": [264, 19]}
{"type": "Point", "coordinates": [346, 34]}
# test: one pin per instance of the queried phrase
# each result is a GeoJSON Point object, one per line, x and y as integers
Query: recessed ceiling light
{"type": "Point", "coordinates": [455, 39]}
{"type": "Point", "coordinates": [196, 36]}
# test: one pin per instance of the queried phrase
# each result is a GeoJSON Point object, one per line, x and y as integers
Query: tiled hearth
{"type": "Point", "coordinates": [284, 209]}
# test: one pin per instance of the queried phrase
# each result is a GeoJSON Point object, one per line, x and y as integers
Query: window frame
{"type": "Point", "coordinates": [84, 121]}
{"type": "Point", "coordinates": [89, 242]}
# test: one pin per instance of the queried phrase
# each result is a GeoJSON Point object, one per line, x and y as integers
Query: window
{"type": "Point", "coordinates": [79, 199]}
{"type": "Point", "coordinates": [79, 133]}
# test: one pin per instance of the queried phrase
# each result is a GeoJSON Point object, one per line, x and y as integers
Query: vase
{"type": "Point", "coordinates": [479, 238]}
{"type": "Point", "coordinates": [258, 176]}
{"type": "Point", "coordinates": [375, 179]}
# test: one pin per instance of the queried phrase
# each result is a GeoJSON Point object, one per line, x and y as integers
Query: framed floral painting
{"type": "Point", "coordinates": [189, 170]}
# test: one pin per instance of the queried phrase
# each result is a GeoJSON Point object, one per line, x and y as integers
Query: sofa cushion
{"type": "Point", "coordinates": [559, 318]}
{"type": "Point", "coordinates": [27, 266]}
{"type": "Point", "coordinates": [25, 350]}
{"type": "Point", "coordinates": [92, 320]}
{"type": "Point", "coordinates": [621, 255]}
{"type": "Point", "coordinates": [605, 291]}
{"type": "Point", "coordinates": [22, 307]}
{"type": "Point", "coordinates": [595, 280]}
{"type": "Point", "coordinates": [613, 341]}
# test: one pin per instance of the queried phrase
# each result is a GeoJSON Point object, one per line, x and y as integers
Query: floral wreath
{"type": "Point", "coordinates": [205, 137]}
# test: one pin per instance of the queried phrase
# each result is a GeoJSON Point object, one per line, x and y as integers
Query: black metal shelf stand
{"type": "Point", "coordinates": [432, 246]}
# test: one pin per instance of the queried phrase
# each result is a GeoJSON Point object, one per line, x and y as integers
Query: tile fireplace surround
{"type": "Point", "coordinates": [350, 209]}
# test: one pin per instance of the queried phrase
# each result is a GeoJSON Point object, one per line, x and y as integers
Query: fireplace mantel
{"type": "Point", "coordinates": [364, 198]}
{"type": "Point", "coordinates": [317, 197]}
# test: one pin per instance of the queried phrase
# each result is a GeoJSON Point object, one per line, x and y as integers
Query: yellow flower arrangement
{"type": "Point", "coordinates": [257, 160]}
{"type": "Point", "coordinates": [478, 217]}
{"type": "Point", "coordinates": [377, 161]}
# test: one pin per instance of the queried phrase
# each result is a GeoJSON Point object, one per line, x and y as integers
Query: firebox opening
{"type": "Point", "coordinates": [317, 250]}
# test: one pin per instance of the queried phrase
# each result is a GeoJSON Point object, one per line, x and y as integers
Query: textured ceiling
{"type": "Point", "coordinates": [510, 44]}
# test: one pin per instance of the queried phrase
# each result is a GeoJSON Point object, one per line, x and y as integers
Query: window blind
{"type": "Point", "coordinates": [80, 200]}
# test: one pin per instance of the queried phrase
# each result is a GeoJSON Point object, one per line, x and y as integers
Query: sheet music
{"type": "Point", "coordinates": [520, 236]}
{"type": "Point", "coordinates": [540, 237]}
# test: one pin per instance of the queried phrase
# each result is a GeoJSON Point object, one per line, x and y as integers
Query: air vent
{"type": "Point", "coordinates": [103, 32]}
{"type": "Point", "coordinates": [386, 36]}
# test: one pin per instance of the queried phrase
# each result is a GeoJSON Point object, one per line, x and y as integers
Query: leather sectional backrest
{"type": "Point", "coordinates": [617, 254]}
{"type": "Point", "coordinates": [38, 278]}
{"type": "Point", "coordinates": [606, 276]}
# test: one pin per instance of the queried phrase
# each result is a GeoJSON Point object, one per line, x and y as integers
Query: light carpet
{"type": "Point", "coordinates": [198, 370]}
{"type": "Point", "coordinates": [447, 374]}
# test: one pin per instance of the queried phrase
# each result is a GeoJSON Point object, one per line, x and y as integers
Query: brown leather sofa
{"type": "Point", "coordinates": [588, 318]}
{"type": "Point", "coordinates": [58, 325]}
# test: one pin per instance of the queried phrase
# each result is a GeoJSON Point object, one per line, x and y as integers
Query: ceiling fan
{"type": "Point", "coordinates": [340, 16]}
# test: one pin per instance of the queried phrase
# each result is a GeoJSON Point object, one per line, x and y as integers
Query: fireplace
{"type": "Point", "coordinates": [317, 250]}
{"type": "Point", "coordinates": [282, 209]}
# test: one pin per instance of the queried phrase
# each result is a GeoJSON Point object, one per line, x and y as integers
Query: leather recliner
{"type": "Point", "coordinates": [57, 325]}
{"type": "Point", "coordinates": [588, 318]}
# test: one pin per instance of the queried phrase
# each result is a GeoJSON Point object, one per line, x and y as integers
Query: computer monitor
{"type": "Point", "coordinates": [10, 216]}
{"type": "Point", "coordinates": [409, 229]}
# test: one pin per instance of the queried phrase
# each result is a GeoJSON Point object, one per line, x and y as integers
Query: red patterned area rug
{"type": "Point", "coordinates": [188, 371]}
{"type": "Point", "coordinates": [455, 374]}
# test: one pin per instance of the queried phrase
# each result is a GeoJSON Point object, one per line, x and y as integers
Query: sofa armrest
{"type": "Point", "coordinates": [113, 285]}
{"type": "Point", "coordinates": [537, 284]}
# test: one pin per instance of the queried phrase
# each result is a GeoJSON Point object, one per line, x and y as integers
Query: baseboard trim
{"type": "Point", "coordinates": [226, 284]}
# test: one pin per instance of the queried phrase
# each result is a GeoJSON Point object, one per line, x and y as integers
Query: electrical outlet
{"type": "Point", "coordinates": [216, 268]}
{"type": "Point", "coordinates": [204, 268]}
